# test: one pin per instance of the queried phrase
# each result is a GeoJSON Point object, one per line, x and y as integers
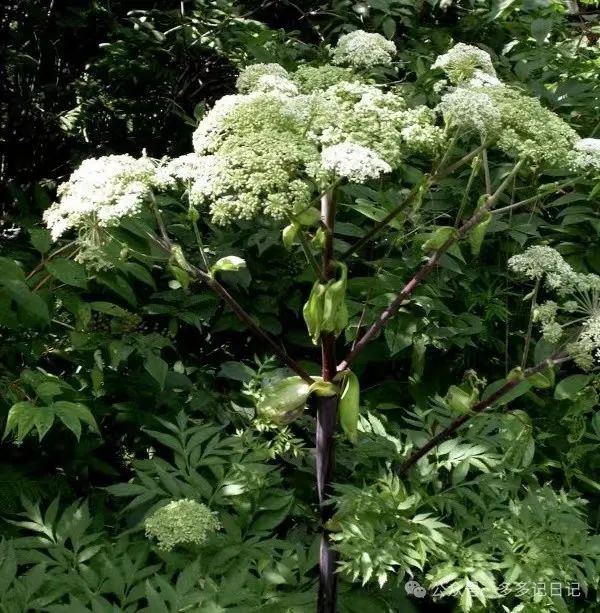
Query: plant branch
{"type": "Point", "coordinates": [481, 406]}
{"type": "Point", "coordinates": [418, 189]}
{"type": "Point", "coordinates": [243, 315]}
{"type": "Point", "coordinates": [233, 304]}
{"type": "Point", "coordinates": [426, 269]}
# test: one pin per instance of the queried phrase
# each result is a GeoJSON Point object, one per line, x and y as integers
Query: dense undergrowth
{"type": "Point", "coordinates": [145, 465]}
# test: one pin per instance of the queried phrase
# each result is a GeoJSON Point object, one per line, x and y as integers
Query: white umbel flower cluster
{"type": "Point", "coordinates": [470, 111]}
{"type": "Point", "coordinates": [586, 154]}
{"type": "Point", "coordinates": [586, 349]}
{"type": "Point", "coordinates": [354, 162]}
{"type": "Point", "coordinates": [101, 192]}
{"type": "Point", "coordinates": [464, 62]}
{"type": "Point", "coordinates": [186, 169]}
{"type": "Point", "coordinates": [181, 522]}
{"type": "Point", "coordinates": [250, 76]}
{"type": "Point", "coordinates": [209, 132]}
{"type": "Point", "coordinates": [363, 50]}
{"type": "Point", "coordinates": [540, 262]}
{"type": "Point", "coordinates": [276, 84]}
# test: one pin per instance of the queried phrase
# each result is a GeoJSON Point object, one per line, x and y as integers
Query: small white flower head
{"type": "Point", "coordinates": [209, 132]}
{"type": "Point", "coordinates": [277, 84]}
{"type": "Point", "coordinates": [470, 111]}
{"type": "Point", "coordinates": [354, 162]}
{"type": "Point", "coordinates": [314, 78]}
{"type": "Point", "coordinates": [585, 351]}
{"type": "Point", "coordinates": [530, 131]}
{"type": "Point", "coordinates": [250, 76]}
{"type": "Point", "coordinates": [101, 192]}
{"type": "Point", "coordinates": [181, 522]}
{"type": "Point", "coordinates": [483, 79]}
{"type": "Point", "coordinates": [208, 171]}
{"type": "Point", "coordinates": [586, 154]}
{"type": "Point", "coordinates": [363, 50]}
{"type": "Point", "coordinates": [463, 62]}
{"type": "Point", "coordinates": [183, 169]}
{"type": "Point", "coordinates": [420, 134]}
{"type": "Point", "coordinates": [541, 261]}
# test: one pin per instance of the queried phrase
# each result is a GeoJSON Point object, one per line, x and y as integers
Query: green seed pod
{"type": "Point", "coordinates": [284, 401]}
{"type": "Point", "coordinates": [313, 311]}
{"type": "Point", "coordinates": [349, 405]}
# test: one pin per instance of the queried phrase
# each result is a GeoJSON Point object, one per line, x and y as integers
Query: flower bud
{"type": "Point", "coordinates": [284, 401]}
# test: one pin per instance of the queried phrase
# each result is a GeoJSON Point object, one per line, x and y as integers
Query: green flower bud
{"type": "Point", "coordinates": [289, 235]}
{"type": "Point", "coordinates": [461, 398]}
{"type": "Point", "coordinates": [349, 405]}
{"type": "Point", "coordinates": [231, 263]}
{"type": "Point", "coordinates": [309, 217]}
{"type": "Point", "coordinates": [284, 401]}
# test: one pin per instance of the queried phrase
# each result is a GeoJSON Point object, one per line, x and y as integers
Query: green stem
{"type": "Point", "coordinates": [530, 324]}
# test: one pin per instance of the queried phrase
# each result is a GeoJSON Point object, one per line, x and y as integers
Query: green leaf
{"type": "Point", "coordinates": [21, 418]}
{"type": "Point", "coordinates": [68, 272]}
{"type": "Point", "coordinates": [72, 414]}
{"type": "Point", "coordinates": [47, 390]}
{"type": "Point", "coordinates": [108, 308]}
{"type": "Point", "coordinates": [540, 28]}
{"type": "Point", "coordinates": [389, 27]}
{"type": "Point", "coordinates": [569, 387]}
{"type": "Point", "coordinates": [157, 368]}
{"type": "Point", "coordinates": [43, 419]}
{"type": "Point", "coordinates": [41, 240]}
{"type": "Point", "coordinates": [349, 405]}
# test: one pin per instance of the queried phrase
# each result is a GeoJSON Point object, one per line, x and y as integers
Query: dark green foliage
{"type": "Point", "coordinates": [121, 390]}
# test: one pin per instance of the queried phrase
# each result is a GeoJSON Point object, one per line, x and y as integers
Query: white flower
{"type": "Point", "coordinates": [276, 83]}
{"type": "Point", "coordinates": [469, 110]}
{"type": "Point", "coordinates": [188, 169]}
{"type": "Point", "coordinates": [585, 351]}
{"type": "Point", "coordinates": [250, 76]}
{"type": "Point", "coordinates": [462, 61]}
{"type": "Point", "coordinates": [539, 261]}
{"type": "Point", "coordinates": [100, 192]}
{"type": "Point", "coordinates": [353, 162]}
{"type": "Point", "coordinates": [586, 155]}
{"type": "Point", "coordinates": [363, 50]}
{"type": "Point", "coordinates": [483, 79]}
{"type": "Point", "coordinates": [209, 130]}
{"type": "Point", "coordinates": [208, 170]}
{"type": "Point", "coordinates": [181, 522]}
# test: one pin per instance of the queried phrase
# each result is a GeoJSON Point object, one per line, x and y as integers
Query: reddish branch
{"type": "Point", "coordinates": [425, 270]}
{"type": "Point", "coordinates": [481, 406]}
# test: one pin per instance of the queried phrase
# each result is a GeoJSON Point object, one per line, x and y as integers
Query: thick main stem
{"type": "Point", "coordinates": [326, 422]}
